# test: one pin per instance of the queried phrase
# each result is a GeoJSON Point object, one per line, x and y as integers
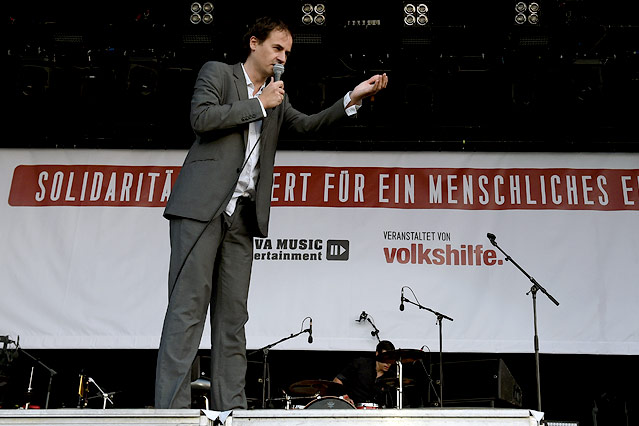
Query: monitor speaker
{"type": "Point", "coordinates": [479, 383]}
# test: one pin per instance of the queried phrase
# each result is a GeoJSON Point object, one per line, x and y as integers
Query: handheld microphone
{"type": "Point", "coordinates": [310, 332]}
{"type": "Point", "coordinates": [278, 70]}
{"type": "Point", "coordinates": [492, 238]}
{"type": "Point", "coordinates": [401, 303]}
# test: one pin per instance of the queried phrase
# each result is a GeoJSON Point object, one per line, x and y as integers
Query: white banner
{"type": "Point", "coordinates": [85, 250]}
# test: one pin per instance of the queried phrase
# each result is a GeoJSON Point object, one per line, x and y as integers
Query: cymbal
{"type": "Point", "coordinates": [313, 387]}
{"type": "Point", "coordinates": [403, 355]}
{"type": "Point", "coordinates": [393, 382]}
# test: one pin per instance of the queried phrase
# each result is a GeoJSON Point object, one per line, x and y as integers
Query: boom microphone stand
{"type": "Point", "coordinates": [105, 396]}
{"type": "Point", "coordinates": [51, 371]}
{"type": "Point", "coordinates": [364, 316]}
{"type": "Point", "coordinates": [265, 371]}
{"type": "Point", "coordinates": [440, 317]}
{"type": "Point", "coordinates": [533, 291]}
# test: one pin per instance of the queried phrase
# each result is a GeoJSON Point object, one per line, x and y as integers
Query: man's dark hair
{"type": "Point", "coordinates": [262, 28]}
{"type": "Point", "coordinates": [384, 346]}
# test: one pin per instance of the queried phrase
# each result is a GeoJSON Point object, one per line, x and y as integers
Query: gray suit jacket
{"type": "Point", "coordinates": [220, 115]}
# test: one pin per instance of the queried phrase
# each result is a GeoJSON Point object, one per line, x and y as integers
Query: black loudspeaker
{"type": "Point", "coordinates": [478, 383]}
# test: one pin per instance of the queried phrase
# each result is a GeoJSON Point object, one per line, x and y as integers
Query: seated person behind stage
{"type": "Point", "coordinates": [362, 379]}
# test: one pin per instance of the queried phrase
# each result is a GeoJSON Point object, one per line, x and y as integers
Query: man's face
{"type": "Point", "coordinates": [383, 366]}
{"type": "Point", "coordinates": [274, 50]}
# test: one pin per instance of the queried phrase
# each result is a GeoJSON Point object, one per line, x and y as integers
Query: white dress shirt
{"type": "Point", "coordinates": [248, 177]}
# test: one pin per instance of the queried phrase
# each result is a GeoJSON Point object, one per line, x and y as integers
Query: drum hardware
{"type": "Point", "coordinates": [394, 383]}
{"type": "Point", "coordinates": [105, 396]}
{"type": "Point", "coordinates": [440, 317]}
{"type": "Point", "coordinates": [289, 400]}
{"type": "Point", "coordinates": [367, 406]}
{"type": "Point", "coordinates": [266, 375]}
{"type": "Point", "coordinates": [400, 356]}
{"type": "Point", "coordinates": [330, 402]}
{"type": "Point", "coordinates": [29, 389]}
{"type": "Point", "coordinates": [202, 384]}
{"type": "Point", "coordinates": [317, 388]}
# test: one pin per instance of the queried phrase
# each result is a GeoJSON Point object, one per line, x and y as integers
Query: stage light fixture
{"type": "Point", "coordinates": [527, 13]}
{"type": "Point", "coordinates": [409, 20]}
{"type": "Point", "coordinates": [416, 15]}
{"type": "Point", "coordinates": [201, 12]}
{"type": "Point", "coordinates": [313, 13]}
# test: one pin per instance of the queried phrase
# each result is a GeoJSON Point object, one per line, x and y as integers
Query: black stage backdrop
{"type": "Point", "coordinates": [592, 389]}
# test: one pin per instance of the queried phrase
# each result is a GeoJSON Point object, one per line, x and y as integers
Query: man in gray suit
{"type": "Point", "coordinates": [220, 201]}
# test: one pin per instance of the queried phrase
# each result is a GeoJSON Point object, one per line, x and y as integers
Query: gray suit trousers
{"type": "Point", "coordinates": [210, 266]}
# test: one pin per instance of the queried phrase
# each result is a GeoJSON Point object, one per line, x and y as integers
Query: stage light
{"type": "Point", "coordinates": [527, 13]}
{"type": "Point", "coordinates": [409, 20]}
{"type": "Point", "coordinates": [201, 12]}
{"type": "Point", "coordinates": [416, 15]}
{"type": "Point", "coordinates": [313, 13]}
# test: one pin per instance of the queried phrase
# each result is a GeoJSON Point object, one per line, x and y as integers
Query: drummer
{"type": "Point", "coordinates": [362, 377]}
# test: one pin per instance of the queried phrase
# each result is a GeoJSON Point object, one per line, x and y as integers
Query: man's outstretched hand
{"type": "Point", "coordinates": [368, 88]}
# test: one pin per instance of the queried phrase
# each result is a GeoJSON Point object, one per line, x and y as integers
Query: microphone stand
{"type": "Point", "coordinates": [533, 291]}
{"type": "Point", "coordinates": [51, 371]}
{"type": "Point", "coordinates": [105, 396]}
{"type": "Point", "coordinates": [440, 317]}
{"type": "Point", "coordinates": [265, 371]}
{"type": "Point", "coordinates": [375, 331]}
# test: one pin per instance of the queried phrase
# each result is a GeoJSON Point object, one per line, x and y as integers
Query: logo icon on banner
{"type": "Point", "coordinates": [337, 249]}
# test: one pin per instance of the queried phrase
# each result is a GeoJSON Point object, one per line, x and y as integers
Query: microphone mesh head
{"type": "Point", "coordinates": [278, 70]}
